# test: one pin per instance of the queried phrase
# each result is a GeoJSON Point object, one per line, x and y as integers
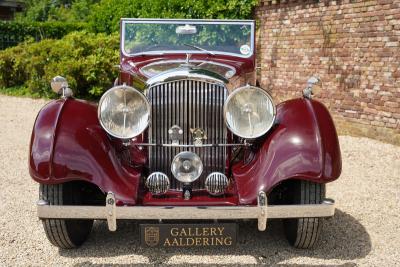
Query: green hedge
{"type": "Point", "coordinates": [12, 32]}
{"type": "Point", "coordinates": [106, 14]}
{"type": "Point", "coordinates": [86, 59]}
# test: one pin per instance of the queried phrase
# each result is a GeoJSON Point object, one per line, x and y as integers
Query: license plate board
{"type": "Point", "coordinates": [188, 235]}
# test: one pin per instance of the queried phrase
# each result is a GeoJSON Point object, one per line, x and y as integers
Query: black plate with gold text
{"type": "Point", "coordinates": [188, 235]}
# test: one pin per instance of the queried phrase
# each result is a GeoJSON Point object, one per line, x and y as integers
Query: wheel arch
{"type": "Point", "coordinates": [303, 145]}
{"type": "Point", "coordinates": [68, 144]}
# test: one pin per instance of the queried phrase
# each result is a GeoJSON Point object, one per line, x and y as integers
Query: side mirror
{"type": "Point", "coordinates": [311, 82]}
{"type": "Point", "coordinates": [59, 85]}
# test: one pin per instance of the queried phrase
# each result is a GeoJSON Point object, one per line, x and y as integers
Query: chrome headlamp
{"type": "Point", "coordinates": [124, 112]}
{"type": "Point", "coordinates": [249, 112]}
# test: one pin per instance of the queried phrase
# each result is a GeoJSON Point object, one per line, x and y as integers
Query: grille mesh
{"type": "Point", "coordinates": [188, 104]}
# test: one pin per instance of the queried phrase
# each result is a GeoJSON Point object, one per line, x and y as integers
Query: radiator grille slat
{"type": "Point", "coordinates": [188, 104]}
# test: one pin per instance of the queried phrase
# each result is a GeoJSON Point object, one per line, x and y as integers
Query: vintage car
{"type": "Point", "coordinates": [186, 141]}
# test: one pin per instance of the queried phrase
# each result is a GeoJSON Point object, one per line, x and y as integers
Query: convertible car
{"type": "Point", "coordinates": [185, 140]}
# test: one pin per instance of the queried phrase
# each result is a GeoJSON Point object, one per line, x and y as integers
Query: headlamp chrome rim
{"type": "Point", "coordinates": [184, 154]}
{"type": "Point", "coordinates": [126, 87]}
{"type": "Point", "coordinates": [240, 89]}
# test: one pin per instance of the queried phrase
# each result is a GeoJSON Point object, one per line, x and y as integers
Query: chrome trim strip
{"type": "Point", "coordinates": [207, 21]}
{"type": "Point", "coordinates": [186, 73]}
{"type": "Point", "coordinates": [194, 146]}
{"type": "Point", "coordinates": [181, 61]}
{"type": "Point", "coordinates": [260, 212]}
{"type": "Point", "coordinates": [125, 21]}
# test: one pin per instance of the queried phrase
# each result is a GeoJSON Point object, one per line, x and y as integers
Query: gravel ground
{"type": "Point", "coordinates": [365, 230]}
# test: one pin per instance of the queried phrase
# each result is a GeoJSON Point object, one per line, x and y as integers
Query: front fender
{"type": "Point", "coordinates": [68, 143]}
{"type": "Point", "coordinates": [303, 145]}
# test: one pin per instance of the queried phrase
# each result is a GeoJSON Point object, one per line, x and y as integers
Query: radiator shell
{"type": "Point", "coordinates": [190, 104]}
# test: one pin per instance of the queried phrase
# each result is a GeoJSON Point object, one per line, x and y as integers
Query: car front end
{"type": "Point", "coordinates": [185, 133]}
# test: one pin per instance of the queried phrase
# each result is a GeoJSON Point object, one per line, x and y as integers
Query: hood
{"type": "Point", "coordinates": [187, 72]}
{"type": "Point", "coordinates": [150, 66]}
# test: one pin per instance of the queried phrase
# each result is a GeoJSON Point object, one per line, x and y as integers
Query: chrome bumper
{"type": "Point", "coordinates": [111, 212]}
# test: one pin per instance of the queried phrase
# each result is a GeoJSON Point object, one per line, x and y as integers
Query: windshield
{"type": "Point", "coordinates": [188, 36]}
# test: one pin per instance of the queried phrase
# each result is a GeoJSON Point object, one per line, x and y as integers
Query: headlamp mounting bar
{"type": "Point", "coordinates": [189, 146]}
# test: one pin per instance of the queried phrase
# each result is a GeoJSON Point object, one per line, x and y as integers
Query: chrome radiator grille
{"type": "Point", "coordinates": [188, 104]}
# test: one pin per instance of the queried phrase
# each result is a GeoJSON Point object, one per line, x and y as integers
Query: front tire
{"type": "Point", "coordinates": [64, 233]}
{"type": "Point", "coordinates": [304, 232]}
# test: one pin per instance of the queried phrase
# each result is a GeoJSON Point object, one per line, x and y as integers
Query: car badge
{"type": "Point", "coordinates": [198, 136]}
{"type": "Point", "coordinates": [152, 236]}
{"type": "Point", "coordinates": [245, 49]}
{"type": "Point", "coordinates": [175, 134]}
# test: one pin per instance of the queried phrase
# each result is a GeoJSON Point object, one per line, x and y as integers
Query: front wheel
{"type": "Point", "coordinates": [304, 232]}
{"type": "Point", "coordinates": [64, 233]}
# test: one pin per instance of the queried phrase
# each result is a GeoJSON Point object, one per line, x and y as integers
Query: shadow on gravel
{"type": "Point", "coordinates": [89, 264]}
{"type": "Point", "coordinates": [343, 238]}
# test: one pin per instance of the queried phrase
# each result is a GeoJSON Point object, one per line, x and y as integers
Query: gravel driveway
{"type": "Point", "coordinates": [364, 231]}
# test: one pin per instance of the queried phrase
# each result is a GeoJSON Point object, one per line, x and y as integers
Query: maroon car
{"type": "Point", "coordinates": [185, 140]}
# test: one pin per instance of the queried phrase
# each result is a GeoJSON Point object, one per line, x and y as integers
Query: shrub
{"type": "Point", "coordinates": [85, 59]}
{"type": "Point", "coordinates": [12, 32]}
{"type": "Point", "coordinates": [106, 14]}
{"type": "Point", "coordinates": [56, 10]}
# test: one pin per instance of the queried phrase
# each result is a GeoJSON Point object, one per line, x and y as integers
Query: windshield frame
{"type": "Point", "coordinates": [125, 21]}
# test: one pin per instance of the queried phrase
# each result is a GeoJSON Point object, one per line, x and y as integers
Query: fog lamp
{"type": "Point", "coordinates": [157, 183]}
{"type": "Point", "coordinates": [186, 167]}
{"type": "Point", "coordinates": [216, 183]}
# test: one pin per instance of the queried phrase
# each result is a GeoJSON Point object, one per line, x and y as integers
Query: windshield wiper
{"type": "Point", "coordinates": [200, 48]}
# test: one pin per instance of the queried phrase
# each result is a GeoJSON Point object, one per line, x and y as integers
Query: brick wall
{"type": "Point", "coordinates": [352, 45]}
